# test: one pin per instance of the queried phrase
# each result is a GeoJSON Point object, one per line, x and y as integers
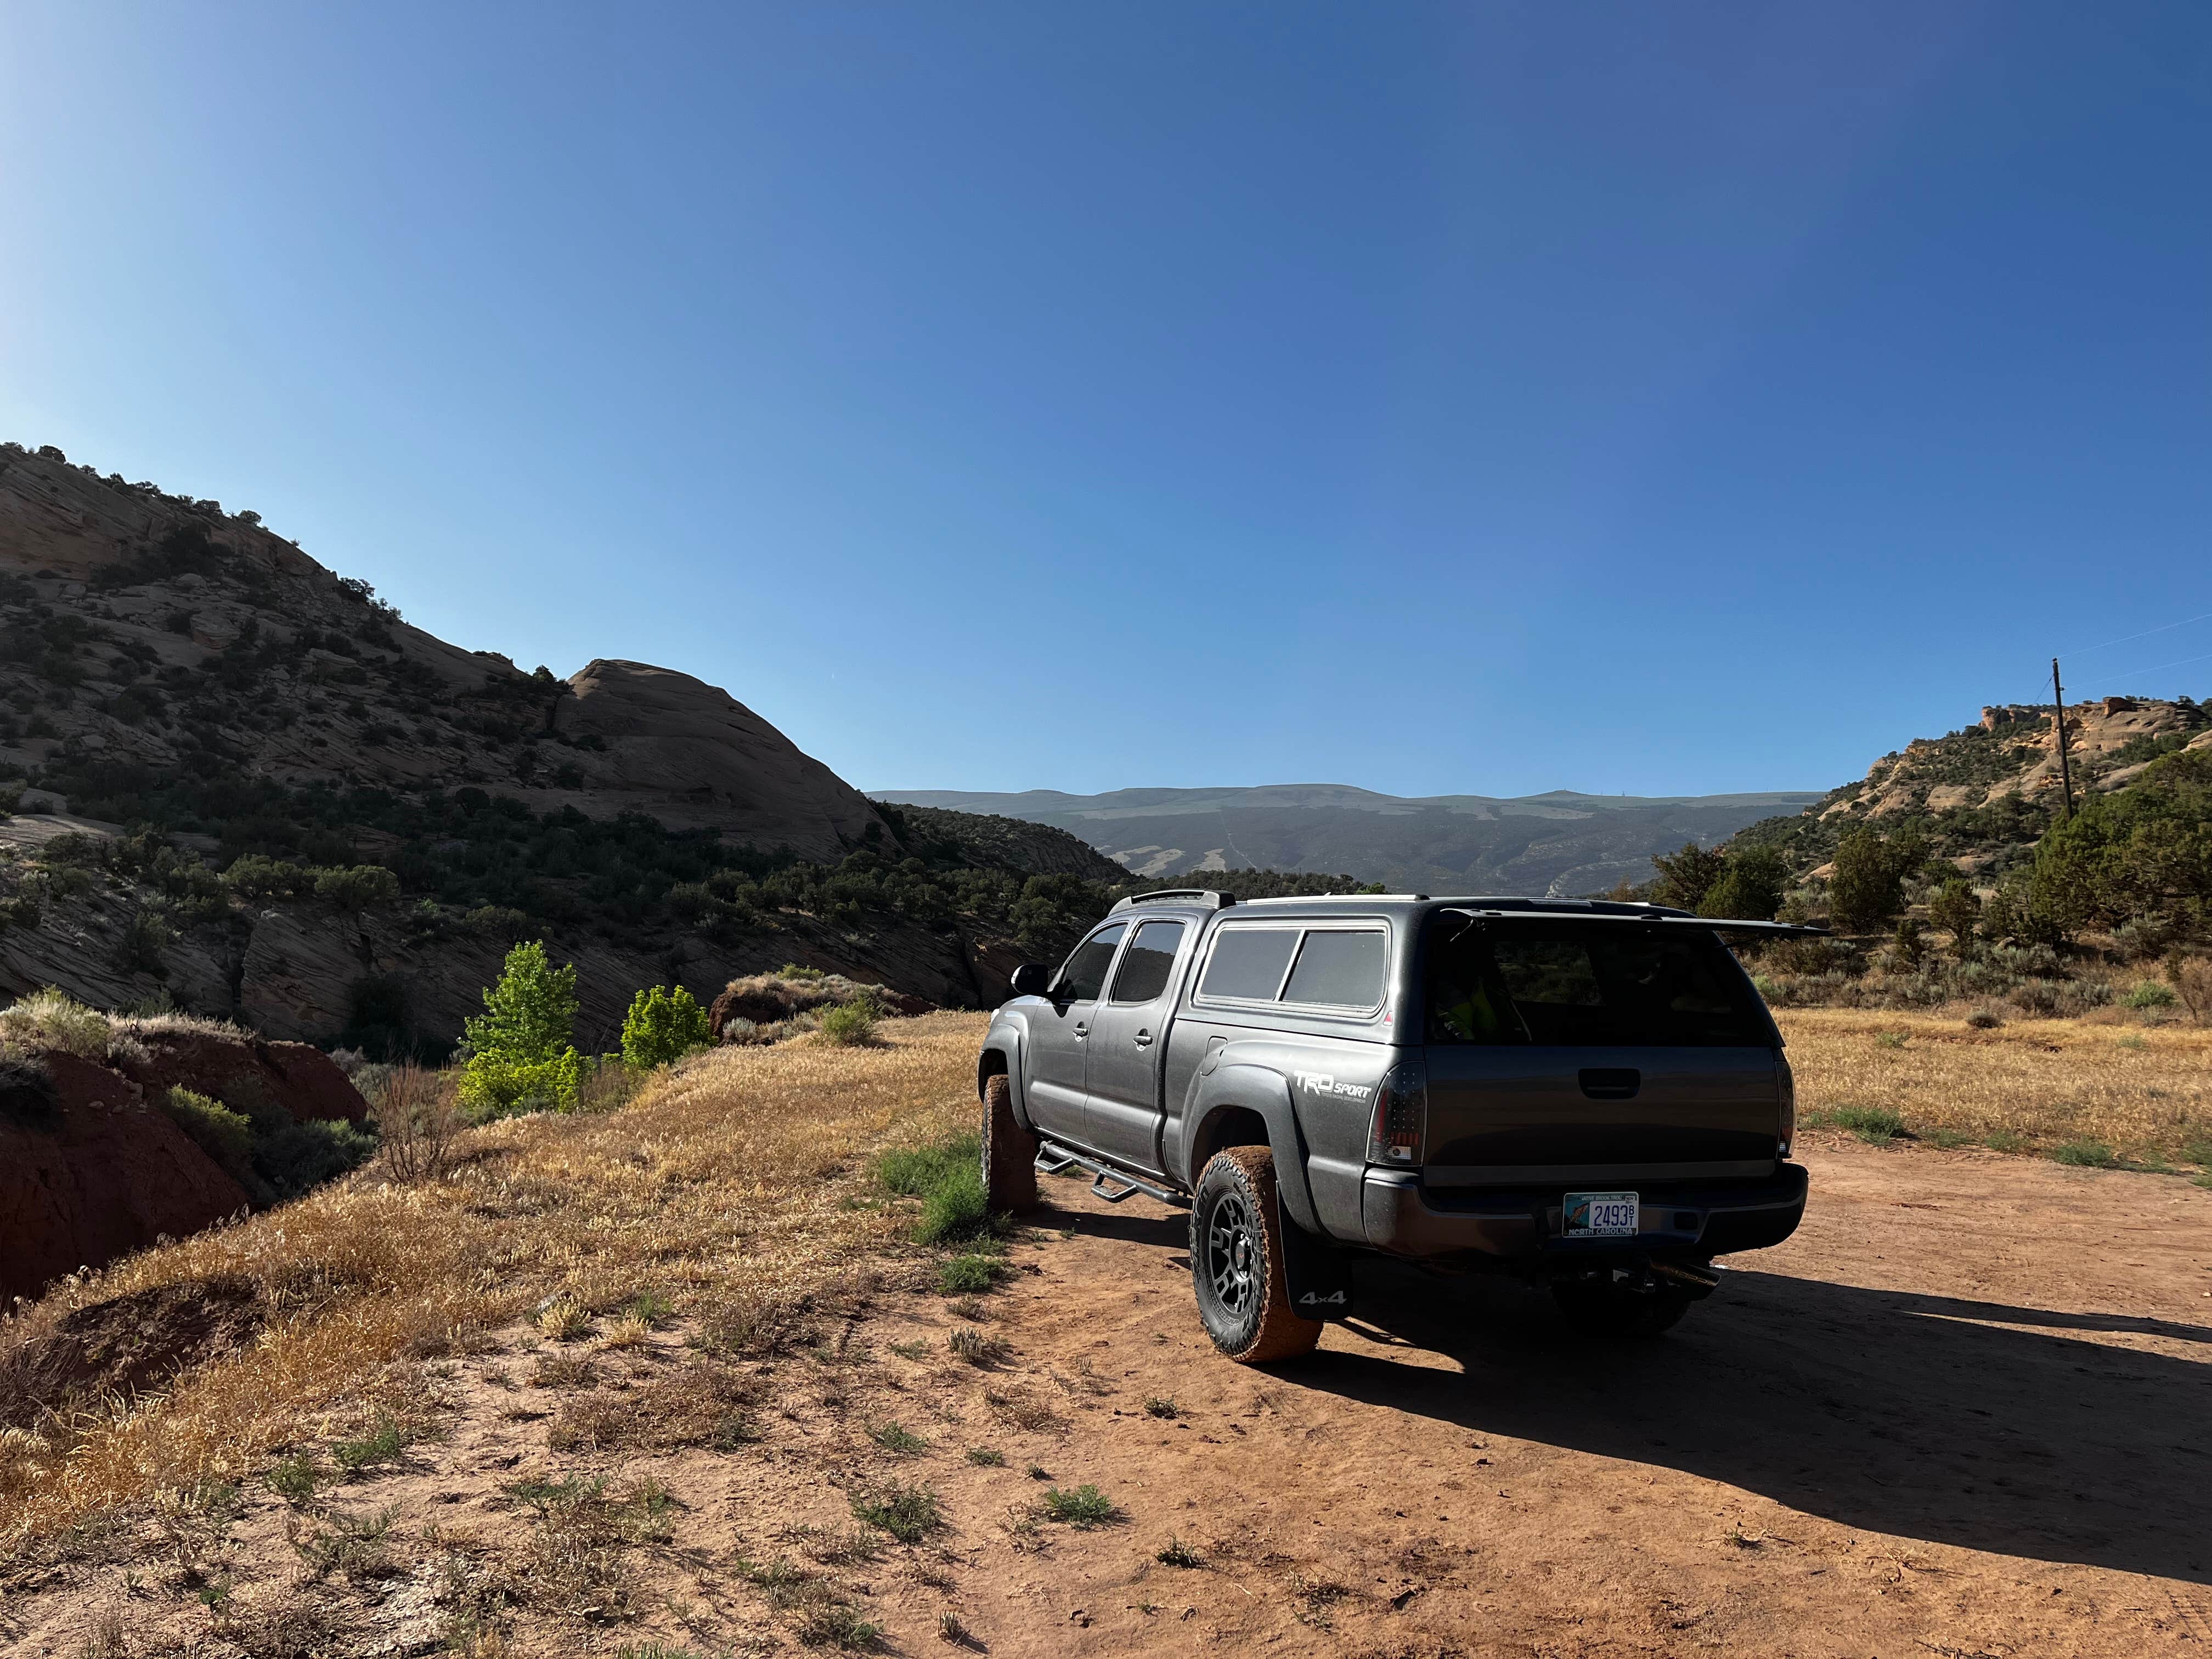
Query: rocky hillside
{"type": "Point", "coordinates": [1986, 793]}
{"type": "Point", "coordinates": [243, 785]}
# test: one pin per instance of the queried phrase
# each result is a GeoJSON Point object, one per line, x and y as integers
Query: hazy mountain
{"type": "Point", "coordinates": [1556, 843]}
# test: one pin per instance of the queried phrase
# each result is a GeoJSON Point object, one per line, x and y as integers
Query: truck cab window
{"type": "Point", "coordinates": [1150, 959]}
{"type": "Point", "coordinates": [1083, 975]}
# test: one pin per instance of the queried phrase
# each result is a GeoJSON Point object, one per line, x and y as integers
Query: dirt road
{"type": "Point", "coordinates": [1966, 1411]}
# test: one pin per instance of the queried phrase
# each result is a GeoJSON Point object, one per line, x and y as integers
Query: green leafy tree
{"type": "Point", "coordinates": [1957, 911]}
{"type": "Point", "coordinates": [1685, 877]}
{"type": "Point", "coordinates": [1750, 887]}
{"type": "Point", "coordinates": [521, 1050]}
{"type": "Point", "coordinates": [2141, 854]}
{"type": "Point", "coordinates": [662, 1027]}
{"type": "Point", "coordinates": [1868, 886]}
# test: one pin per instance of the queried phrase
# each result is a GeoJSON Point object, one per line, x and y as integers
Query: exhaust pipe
{"type": "Point", "coordinates": [1698, 1279]}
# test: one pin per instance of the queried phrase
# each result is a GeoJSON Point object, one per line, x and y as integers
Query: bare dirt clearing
{"type": "Point", "coordinates": [1963, 1413]}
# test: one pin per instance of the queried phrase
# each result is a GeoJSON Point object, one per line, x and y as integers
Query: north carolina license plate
{"type": "Point", "coordinates": [1601, 1215]}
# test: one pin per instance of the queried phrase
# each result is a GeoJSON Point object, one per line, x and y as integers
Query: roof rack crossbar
{"type": "Point", "coordinates": [1203, 898]}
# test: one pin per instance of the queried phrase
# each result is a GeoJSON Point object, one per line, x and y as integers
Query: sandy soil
{"type": "Point", "coordinates": [1964, 1412]}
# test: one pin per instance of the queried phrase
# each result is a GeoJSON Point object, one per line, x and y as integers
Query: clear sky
{"type": "Point", "coordinates": [1431, 398]}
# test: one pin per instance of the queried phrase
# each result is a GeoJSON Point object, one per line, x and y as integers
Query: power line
{"type": "Point", "coordinates": [2083, 650]}
{"type": "Point", "coordinates": [2179, 663]}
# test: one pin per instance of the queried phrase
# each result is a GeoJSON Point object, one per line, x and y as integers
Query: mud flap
{"type": "Point", "coordinates": [1317, 1273]}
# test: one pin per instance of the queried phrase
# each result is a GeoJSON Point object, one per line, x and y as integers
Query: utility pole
{"type": "Point", "coordinates": [2058, 708]}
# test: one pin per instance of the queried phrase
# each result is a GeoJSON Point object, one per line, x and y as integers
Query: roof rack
{"type": "Point", "coordinates": [1202, 898]}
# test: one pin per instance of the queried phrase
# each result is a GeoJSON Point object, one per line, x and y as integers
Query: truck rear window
{"type": "Point", "coordinates": [1600, 985]}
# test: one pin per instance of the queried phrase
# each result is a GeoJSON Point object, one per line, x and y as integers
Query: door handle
{"type": "Point", "coordinates": [1082, 1030]}
{"type": "Point", "coordinates": [1144, 1039]}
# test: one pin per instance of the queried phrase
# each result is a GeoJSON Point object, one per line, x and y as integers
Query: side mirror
{"type": "Point", "coordinates": [1032, 979]}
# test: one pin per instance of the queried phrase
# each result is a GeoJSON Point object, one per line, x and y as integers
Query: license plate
{"type": "Point", "coordinates": [1602, 1215]}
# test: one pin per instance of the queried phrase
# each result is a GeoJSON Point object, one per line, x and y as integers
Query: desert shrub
{"type": "Point", "coordinates": [300, 1155]}
{"type": "Point", "coordinates": [850, 1023]}
{"type": "Point", "coordinates": [1749, 887]}
{"type": "Point", "coordinates": [964, 1275]}
{"type": "Point", "coordinates": [520, 1054]}
{"type": "Point", "coordinates": [793, 970]}
{"type": "Point", "coordinates": [224, 1135]}
{"type": "Point", "coordinates": [48, 1020]}
{"type": "Point", "coordinates": [357, 888]}
{"type": "Point", "coordinates": [1956, 910]}
{"type": "Point", "coordinates": [258, 878]}
{"type": "Point", "coordinates": [416, 1122]}
{"type": "Point", "coordinates": [662, 1027]}
{"type": "Point", "coordinates": [1082, 1508]}
{"type": "Point", "coordinates": [2148, 993]}
{"type": "Point", "coordinates": [26, 1092]}
{"type": "Point", "coordinates": [2191, 979]}
{"type": "Point", "coordinates": [1868, 886]}
{"type": "Point", "coordinates": [1685, 877]}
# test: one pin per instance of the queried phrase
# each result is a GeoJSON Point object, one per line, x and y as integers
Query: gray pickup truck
{"type": "Point", "coordinates": [1587, 1094]}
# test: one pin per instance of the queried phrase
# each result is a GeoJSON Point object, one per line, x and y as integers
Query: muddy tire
{"type": "Point", "coordinates": [1236, 1261]}
{"type": "Point", "coordinates": [1603, 1307]}
{"type": "Point", "coordinates": [1009, 1152]}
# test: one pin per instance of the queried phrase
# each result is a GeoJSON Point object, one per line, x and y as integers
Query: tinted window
{"type": "Point", "coordinates": [1084, 974]}
{"type": "Point", "coordinates": [1145, 965]}
{"type": "Point", "coordinates": [1248, 962]}
{"type": "Point", "coordinates": [1606, 984]}
{"type": "Point", "coordinates": [1340, 969]}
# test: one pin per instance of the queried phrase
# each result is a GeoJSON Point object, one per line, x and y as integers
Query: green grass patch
{"type": "Point", "coordinates": [1085, 1507]}
{"type": "Point", "coordinates": [380, 1447]}
{"type": "Point", "coordinates": [967, 1275]}
{"type": "Point", "coordinates": [956, 1210]}
{"type": "Point", "coordinates": [983, 1457]}
{"type": "Point", "coordinates": [2085, 1154]}
{"type": "Point", "coordinates": [1176, 1553]}
{"type": "Point", "coordinates": [909, 1514]}
{"type": "Point", "coordinates": [1950, 1139]}
{"type": "Point", "coordinates": [898, 1439]}
{"type": "Point", "coordinates": [295, 1479]}
{"type": "Point", "coordinates": [2005, 1140]}
{"type": "Point", "coordinates": [917, 1171]}
{"type": "Point", "coordinates": [1876, 1125]}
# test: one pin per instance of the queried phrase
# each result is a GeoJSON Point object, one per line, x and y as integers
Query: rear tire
{"type": "Point", "coordinates": [1009, 1152]}
{"type": "Point", "coordinates": [1606, 1307]}
{"type": "Point", "coordinates": [1236, 1261]}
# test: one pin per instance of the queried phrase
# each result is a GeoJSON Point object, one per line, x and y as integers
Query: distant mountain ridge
{"type": "Point", "coordinates": [1556, 843]}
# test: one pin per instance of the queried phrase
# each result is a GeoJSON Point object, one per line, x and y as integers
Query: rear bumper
{"type": "Point", "coordinates": [1523, 1225]}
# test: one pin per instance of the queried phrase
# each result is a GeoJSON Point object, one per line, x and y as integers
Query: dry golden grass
{"type": "Point", "coordinates": [721, 1188]}
{"type": "Point", "coordinates": [2144, 1091]}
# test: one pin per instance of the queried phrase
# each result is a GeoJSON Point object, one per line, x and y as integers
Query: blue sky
{"type": "Point", "coordinates": [1429, 398]}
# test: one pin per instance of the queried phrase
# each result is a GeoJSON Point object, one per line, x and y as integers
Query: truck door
{"type": "Point", "coordinates": [1121, 1079]}
{"type": "Point", "coordinates": [1060, 1033]}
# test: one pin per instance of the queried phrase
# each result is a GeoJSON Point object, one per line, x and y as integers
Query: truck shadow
{"type": "Point", "coordinates": [1972, 1424]}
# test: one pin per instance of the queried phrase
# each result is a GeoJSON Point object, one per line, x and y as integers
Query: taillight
{"type": "Point", "coordinates": [1401, 1117]}
{"type": "Point", "coordinates": [1785, 1084]}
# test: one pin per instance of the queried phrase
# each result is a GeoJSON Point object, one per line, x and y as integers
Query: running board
{"type": "Point", "coordinates": [1053, 1159]}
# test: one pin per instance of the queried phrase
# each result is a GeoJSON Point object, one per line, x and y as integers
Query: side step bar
{"type": "Point", "coordinates": [1052, 1158]}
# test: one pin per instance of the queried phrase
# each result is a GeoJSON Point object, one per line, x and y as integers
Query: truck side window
{"type": "Point", "coordinates": [1340, 969]}
{"type": "Point", "coordinates": [1149, 960]}
{"type": "Point", "coordinates": [1247, 963]}
{"type": "Point", "coordinates": [1083, 976]}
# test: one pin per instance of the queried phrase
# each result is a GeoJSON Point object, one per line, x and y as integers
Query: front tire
{"type": "Point", "coordinates": [1009, 1152]}
{"type": "Point", "coordinates": [1603, 1306]}
{"type": "Point", "coordinates": [1236, 1261]}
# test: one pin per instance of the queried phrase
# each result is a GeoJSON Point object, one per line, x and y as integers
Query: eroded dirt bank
{"type": "Point", "coordinates": [1964, 1412]}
